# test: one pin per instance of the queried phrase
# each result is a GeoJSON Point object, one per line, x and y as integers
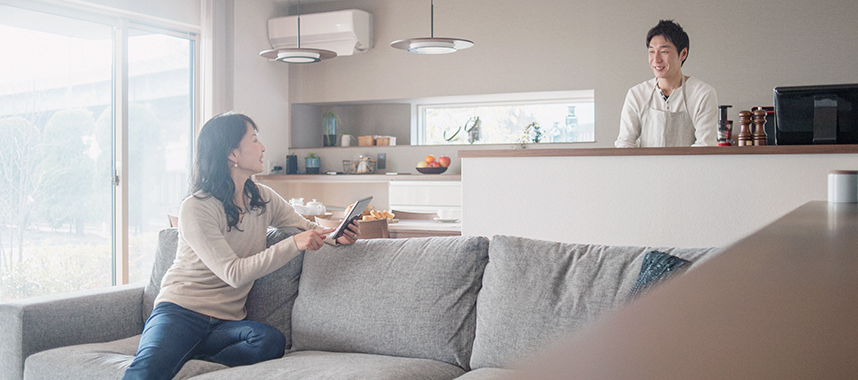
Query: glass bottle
{"type": "Point", "coordinates": [571, 131]}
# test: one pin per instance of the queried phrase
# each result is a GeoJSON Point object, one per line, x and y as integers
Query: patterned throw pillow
{"type": "Point", "coordinates": [657, 267]}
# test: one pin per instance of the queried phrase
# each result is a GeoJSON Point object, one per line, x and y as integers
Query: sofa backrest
{"type": "Point", "coordinates": [269, 301]}
{"type": "Point", "coordinates": [165, 254]}
{"type": "Point", "coordinates": [400, 297]}
{"type": "Point", "coordinates": [535, 291]}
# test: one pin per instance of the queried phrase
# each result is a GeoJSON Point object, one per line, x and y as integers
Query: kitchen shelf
{"type": "Point", "coordinates": [356, 178]}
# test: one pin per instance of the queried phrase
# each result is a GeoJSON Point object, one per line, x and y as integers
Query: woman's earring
{"type": "Point", "coordinates": [235, 164]}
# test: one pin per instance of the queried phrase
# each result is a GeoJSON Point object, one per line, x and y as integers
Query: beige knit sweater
{"type": "Point", "coordinates": [215, 269]}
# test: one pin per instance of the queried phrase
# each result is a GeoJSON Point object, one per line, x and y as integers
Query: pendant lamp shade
{"type": "Point", "coordinates": [298, 54]}
{"type": "Point", "coordinates": [432, 44]}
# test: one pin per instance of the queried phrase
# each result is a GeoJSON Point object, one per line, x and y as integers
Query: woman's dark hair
{"type": "Point", "coordinates": [218, 138]}
{"type": "Point", "coordinates": [671, 32]}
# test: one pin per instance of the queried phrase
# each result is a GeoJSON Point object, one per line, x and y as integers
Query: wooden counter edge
{"type": "Point", "coordinates": [673, 151]}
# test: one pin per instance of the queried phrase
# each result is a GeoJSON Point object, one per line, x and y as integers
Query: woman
{"type": "Point", "coordinates": [199, 312]}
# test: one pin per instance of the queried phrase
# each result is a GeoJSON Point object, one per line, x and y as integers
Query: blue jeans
{"type": "Point", "coordinates": [173, 335]}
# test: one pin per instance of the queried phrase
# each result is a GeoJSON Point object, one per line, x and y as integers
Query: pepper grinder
{"type": "Point", "coordinates": [760, 130]}
{"type": "Point", "coordinates": [745, 138]}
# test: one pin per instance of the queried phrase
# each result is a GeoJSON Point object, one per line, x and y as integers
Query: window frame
{"type": "Point", "coordinates": [122, 22]}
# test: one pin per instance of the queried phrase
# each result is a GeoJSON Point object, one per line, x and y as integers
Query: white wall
{"type": "Point", "coordinates": [260, 87]}
{"type": "Point", "coordinates": [687, 201]}
{"type": "Point", "coordinates": [184, 11]}
{"type": "Point", "coordinates": [744, 48]}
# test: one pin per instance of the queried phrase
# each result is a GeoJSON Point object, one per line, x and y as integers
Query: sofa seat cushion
{"type": "Point", "coordinates": [98, 361]}
{"type": "Point", "coordinates": [487, 374]}
{"type": "Point", "coordinates": [309, 365]}
{"type": "Point", "coordinates": [535, 291]}
{"type": "Point", "coordinates": [412, 298]}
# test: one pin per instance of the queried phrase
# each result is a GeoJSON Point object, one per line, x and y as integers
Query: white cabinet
{"type": "Point", "coordinates": [426, 196]}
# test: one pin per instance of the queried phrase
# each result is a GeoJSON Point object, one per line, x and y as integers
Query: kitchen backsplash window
{"type": "Point", "coordinates": [526, 120]}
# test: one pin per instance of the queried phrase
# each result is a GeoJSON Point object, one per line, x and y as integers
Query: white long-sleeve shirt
{"type": "Point", "coordinates": [701, 99]}
{"type": "Point", "coordinates": [214, 269]}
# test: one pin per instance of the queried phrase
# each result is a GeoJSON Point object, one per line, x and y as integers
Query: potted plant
{"type": "Point", "coordinates": [346, 138]}
{"type": "Point", "coordinates": [329, 123]}
{"type": "Point", "coordinates": [312, 163]}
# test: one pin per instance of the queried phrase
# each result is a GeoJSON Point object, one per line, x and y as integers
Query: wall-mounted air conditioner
{"type": "Point", "coordinates": [345, 32]}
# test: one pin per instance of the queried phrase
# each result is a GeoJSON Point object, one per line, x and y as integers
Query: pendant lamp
{"type": "Point", "coordinates": [298, 54]}
{"type": "Point", "coordinates": [432, 44]}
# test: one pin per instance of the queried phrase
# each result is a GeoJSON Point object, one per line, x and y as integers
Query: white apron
{"type": "Point", "coordinates": [664, 128]}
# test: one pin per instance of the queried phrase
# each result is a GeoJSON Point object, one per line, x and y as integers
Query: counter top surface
{"type": "Point", "coordinates": [424, 225]}
{"type": "Point", "coordinates": [322, 178]}
{"type": "Point", "coordinates": [672, 151]}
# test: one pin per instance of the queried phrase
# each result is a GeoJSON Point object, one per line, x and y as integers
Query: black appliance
{"type": "Point", "coordinates": [821, 114]}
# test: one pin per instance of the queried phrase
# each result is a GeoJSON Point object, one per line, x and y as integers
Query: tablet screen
{"type": "Point", "coordinates": [354, 214]}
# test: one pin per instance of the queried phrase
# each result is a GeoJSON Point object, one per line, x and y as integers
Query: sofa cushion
{"type": "Point", "coordinates": [98, 361]}
{"type": "Point", "coordinates": [165, 253]}
{"type": "Point", "coordinates": [535, 291]}
{"type": "Point", "coordinates": [488, 374]}
{"type": "Point", "coordinates": [318, 365]}
{"type": "Point", "coordinates": [271, 298]}
{"type": "Point", "coordinates": [401, 297]}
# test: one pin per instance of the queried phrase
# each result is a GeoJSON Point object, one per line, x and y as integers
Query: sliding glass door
{"type": "Point", "coordinates": [160, 135]}
{"type": "Point", "coordinates": [62, 144]}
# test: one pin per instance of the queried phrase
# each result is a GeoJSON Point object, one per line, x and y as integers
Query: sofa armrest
{"type": "Point", "coordinates": [41, 323]}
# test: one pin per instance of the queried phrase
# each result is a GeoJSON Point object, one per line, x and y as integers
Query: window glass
{"type": "Point", "coordinates": [56, 154]}
{"type": "Point", "coordinates": [56, 229]}
{"type": "Point", "coordinates": [159, 139]}
{"type": "Point", "coordinates": [561, 120]}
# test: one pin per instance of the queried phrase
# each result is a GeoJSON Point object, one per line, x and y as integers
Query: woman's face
{"type": "Point", "coordinates": [664, 60]}
{"type": "Point", "coordinates": [248, 155]}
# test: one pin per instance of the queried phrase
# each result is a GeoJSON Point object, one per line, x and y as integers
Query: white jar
{"type": "Point", "coordinates": [843, 186]}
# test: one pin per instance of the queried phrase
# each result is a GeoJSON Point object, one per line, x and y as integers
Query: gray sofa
{"type": "Point", "coordinates": [422, 308]}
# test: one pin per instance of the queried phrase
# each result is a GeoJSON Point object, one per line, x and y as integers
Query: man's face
{"type": "Point", "coordinates": [664, 60]}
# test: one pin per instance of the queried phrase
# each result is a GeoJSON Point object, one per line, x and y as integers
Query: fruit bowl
{"type": "Point", "coordinates": [427, 170]}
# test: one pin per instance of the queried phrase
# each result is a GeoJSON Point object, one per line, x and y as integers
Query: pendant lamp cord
{"type": "Point", "coordinates": [432, 19]}
{"type": "Point", "coordinates": [299, 24]}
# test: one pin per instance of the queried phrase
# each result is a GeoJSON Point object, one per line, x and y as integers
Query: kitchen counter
{"type": "Point", "coordinates": [780, 303]}
{"type": "Point", "coordinates": [356, 178]}
{"type": "Point", "coordinates": [532, 151]}
{"type": "Point", "coordinates": [423, 228]}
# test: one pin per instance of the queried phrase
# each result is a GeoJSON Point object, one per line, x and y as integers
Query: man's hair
{"type": "Point", "coordinates": [671, 32]}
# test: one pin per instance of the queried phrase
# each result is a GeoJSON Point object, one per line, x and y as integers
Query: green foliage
{"type": "Point", "coordinates": [52, 269]}
{"type": "Point", "coordinates": [145, 161]}
{"type": "Point", "coordinates": [66, 168]}
{"type": "Point", "coordinates": [19, 155]}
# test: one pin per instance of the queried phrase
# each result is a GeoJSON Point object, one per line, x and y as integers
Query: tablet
{"type": "Point", "coordinates": [354, 214]}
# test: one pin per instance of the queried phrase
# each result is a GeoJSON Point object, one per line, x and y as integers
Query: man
{"type": "Point", "coordinates": [671, 109]}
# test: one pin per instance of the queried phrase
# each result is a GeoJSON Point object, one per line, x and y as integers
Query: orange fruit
{"type": "Point", "coordinates": [430, 158]}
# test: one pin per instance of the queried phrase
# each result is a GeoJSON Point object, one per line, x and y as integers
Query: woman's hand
{"type": "Point", "coordinates": [311, 239]}
{"type": "Point", "coordinates": [351, 234]}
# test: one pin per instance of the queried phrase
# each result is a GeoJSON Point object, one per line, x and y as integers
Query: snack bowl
{"type": "Point", "coordinates": [437, 170]}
